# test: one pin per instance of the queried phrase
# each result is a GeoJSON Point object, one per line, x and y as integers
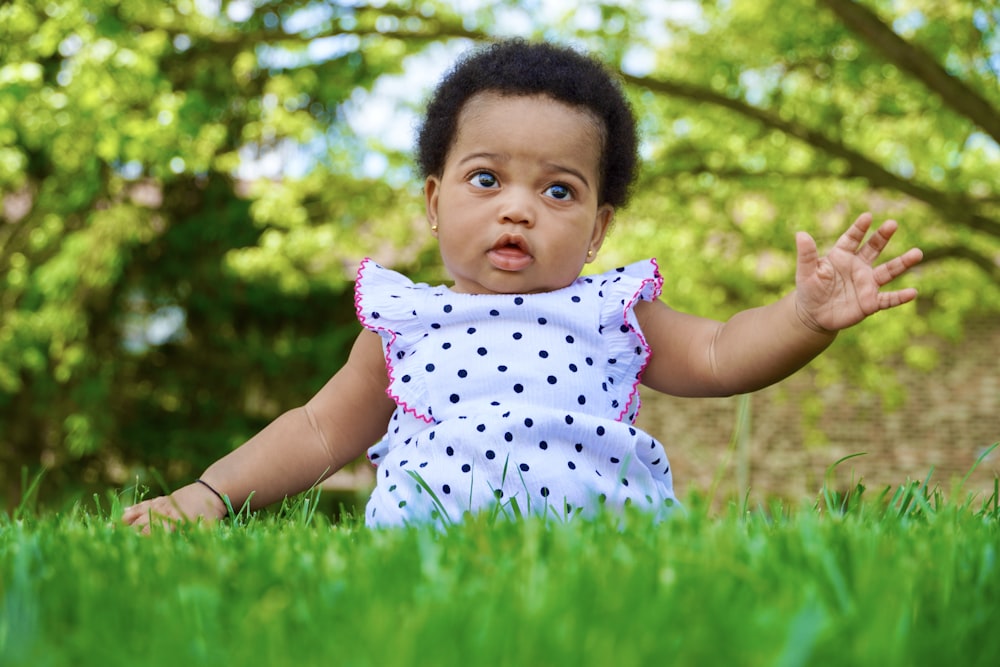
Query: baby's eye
{"type": "Point", "coordinates": [483, 179]}
{"type": "Point", "coordinates": [559, 191]}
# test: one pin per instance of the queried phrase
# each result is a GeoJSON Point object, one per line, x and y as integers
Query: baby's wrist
{"type": "Point", "coordinates": [220, 501]}
{"type": "Point", "coordinates": [807, 320]}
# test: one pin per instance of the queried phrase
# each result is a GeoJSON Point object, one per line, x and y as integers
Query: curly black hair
{"type": "Point", "coordinates": [517, 67]}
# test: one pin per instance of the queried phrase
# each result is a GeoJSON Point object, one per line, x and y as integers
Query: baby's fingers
{"type": "Point", "coordinates": [160, 511]}
{"type": "Point", "coordinates": [853, 240]}
{"type": "Point", "coordinates": [850, 241]}
{"type": "Point", "coordinates": [877, 242]}
{"type": "Point", "coordinates": [886, 273]}
{"type": "Point", "coordinates": [888, 300]}
{"type": "Point", "coordinates": [136, 512]}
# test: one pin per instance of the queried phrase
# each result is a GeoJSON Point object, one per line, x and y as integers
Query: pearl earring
{"type": "Point", "coordinates": [590, 254]}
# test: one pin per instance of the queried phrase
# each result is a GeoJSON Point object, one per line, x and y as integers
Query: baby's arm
{"type": "Point", "coordinates": [295, 451]}
{"type": "Point", "coordinates": [694, 356]}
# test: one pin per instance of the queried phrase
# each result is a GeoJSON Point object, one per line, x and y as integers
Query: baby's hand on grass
{"type": "Point", "coordinates": [185, 504]}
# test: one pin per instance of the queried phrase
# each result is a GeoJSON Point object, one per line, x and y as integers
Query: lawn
{"type": "Point", "coordinates": [904, 576]}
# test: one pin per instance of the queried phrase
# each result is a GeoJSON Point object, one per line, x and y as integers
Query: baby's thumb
{"type": "Point", "coordinates": [807, 256]}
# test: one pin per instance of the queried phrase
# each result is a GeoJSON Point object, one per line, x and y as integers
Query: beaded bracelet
{"type": "Point", "coordinates": [217, 494]}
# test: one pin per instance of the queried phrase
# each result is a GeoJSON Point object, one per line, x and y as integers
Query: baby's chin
{"type": "Point", "coordinates": [527, 280]}
{"type": "Point", "coordinates": [513, 289]}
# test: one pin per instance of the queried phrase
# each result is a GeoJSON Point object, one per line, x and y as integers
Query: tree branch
{"type": "Point", "coordinates": [989, 266]}
{"type": "Point", "coordinates": [746, 174]}
{"type": "Point", "coordinates": [956, 208]}
{"type": "Point", "coordinates": [911, 58]}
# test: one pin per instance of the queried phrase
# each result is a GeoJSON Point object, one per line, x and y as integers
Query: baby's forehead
{"type": "Point", "coordinates": [527, 108]}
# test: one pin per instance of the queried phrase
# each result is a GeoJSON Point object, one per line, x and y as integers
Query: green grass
{"type": "Point", "coordinates": [905, 577]}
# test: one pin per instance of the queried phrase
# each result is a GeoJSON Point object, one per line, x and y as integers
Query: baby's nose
{"type": "Point", "coordinates": [517, 205]}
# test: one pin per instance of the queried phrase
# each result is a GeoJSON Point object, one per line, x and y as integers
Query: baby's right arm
{"type": "Point", "coordinates": [298, 449]}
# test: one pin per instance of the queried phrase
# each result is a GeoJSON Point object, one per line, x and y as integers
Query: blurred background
{"type": "Point", "coordinates": [187, 188]}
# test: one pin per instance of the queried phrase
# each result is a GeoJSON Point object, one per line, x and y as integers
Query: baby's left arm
{"type": "Point", "coordinates": [694, 356]}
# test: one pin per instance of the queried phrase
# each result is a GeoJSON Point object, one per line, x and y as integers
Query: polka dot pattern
{"type": "Point", "coordinates": [512, 399]}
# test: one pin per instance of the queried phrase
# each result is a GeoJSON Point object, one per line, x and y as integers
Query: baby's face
{"type": "Point", "coordinates": [516, 207]}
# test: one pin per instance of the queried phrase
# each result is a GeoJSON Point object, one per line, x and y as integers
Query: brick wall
{"type": "Point", "coordinates": [950, 417]}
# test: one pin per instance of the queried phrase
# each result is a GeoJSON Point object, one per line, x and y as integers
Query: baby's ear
{"type": "Point", "coordinates": [432, 188]}
{"type": "Point", "coordinates": [602, 223]}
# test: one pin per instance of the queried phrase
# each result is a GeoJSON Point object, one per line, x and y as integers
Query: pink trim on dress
{"type": "Point", "coordinates": [657, 281]}
{"type": "Point", "coordinates": [385, 334]}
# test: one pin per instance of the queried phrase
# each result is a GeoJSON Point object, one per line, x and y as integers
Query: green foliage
{"type": "Point", "coordinates": [903, 579]}
{"type": "Point", "coordinates": [779, 117]}
{"type": "Point", "coordinates": [160, 300]}
{"type": "Point", "coordinates": [123, 123]}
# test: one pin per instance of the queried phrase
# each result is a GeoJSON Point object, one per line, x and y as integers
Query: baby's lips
{"type": "Point", "coordinates": [512, 241]}
{"type": "Point", "coordinates": [510, 258]}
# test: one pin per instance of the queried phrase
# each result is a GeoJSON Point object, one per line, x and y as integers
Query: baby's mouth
{"type": "Point", "coordinates": [510, 253]}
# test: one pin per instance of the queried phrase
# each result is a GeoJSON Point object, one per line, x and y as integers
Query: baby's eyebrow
{"type": "Point", "coordinates": [497, 157]}
{"type": "Point", "coordinates": [568, 170]}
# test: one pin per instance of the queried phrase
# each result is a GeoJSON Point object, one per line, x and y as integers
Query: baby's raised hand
{"type": "Point", "coordinates": [185, 504]}
{"type": "Point", "coordinates": [844, 287]}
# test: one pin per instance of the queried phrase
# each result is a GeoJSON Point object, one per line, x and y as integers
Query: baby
{"type": "Point", "coordinates": [516, 387]}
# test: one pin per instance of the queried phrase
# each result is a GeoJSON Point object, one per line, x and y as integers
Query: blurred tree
{"type": "Point", "coordinates": [158, 305]}
{"type": "Point", "coordinates": [774, 116]}
{"type": "Point", "coordinates": [184, 201]}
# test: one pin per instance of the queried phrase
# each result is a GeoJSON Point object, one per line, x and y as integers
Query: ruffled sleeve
{"type": "Point", "coordinates": [386, 303]}
{"type": "Point", "coordinates": [629, 353]}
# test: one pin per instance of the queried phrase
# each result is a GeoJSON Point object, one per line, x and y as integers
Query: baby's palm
{"type": "Point", "coordinates": [845, 287]}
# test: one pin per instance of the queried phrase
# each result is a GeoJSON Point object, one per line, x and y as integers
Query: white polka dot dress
{"type": "Point", "coordinates": [516, 403]}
